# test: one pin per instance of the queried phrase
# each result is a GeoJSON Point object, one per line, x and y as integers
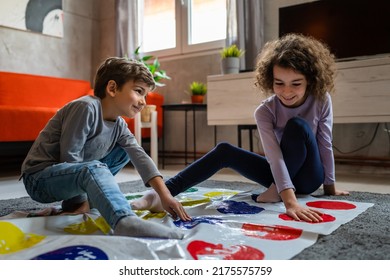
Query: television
{"type": "Point", "coordinates": [352, 29]}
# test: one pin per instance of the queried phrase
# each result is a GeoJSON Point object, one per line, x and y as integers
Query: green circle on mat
{"type": "Point", "coordinates": [131, 197]}
{"type": "Point", "coordinates": [192, 190]}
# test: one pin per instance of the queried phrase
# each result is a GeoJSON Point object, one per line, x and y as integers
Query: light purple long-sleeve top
{"type": "Point", "coordinates": [271, 118]}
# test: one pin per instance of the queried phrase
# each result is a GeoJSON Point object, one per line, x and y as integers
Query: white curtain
{"type": "Point", "coordinates": [126, 27]}
{"type": "Point", "coordinates": [245, 28]}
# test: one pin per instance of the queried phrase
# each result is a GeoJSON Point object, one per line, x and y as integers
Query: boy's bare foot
{"type": "Point", "coordinates": [150, 201]}
{"type": "Point", "coordinates": [270, 195]}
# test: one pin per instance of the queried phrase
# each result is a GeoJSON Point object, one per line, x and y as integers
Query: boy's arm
{"type": "Point", "coordinates": [169, 203]}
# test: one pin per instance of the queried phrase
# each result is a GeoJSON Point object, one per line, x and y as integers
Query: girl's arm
{"type": "Point", "coordinates": [324, 139]}
{"type": "Point", "coordinates": [265, 118]}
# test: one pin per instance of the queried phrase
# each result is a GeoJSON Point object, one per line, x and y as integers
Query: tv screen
{"type": "Point", "coordinates": [351, 28]}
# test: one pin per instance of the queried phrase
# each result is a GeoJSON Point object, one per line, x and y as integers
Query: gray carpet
{"type": "Point", "coordinates": [367, 237]}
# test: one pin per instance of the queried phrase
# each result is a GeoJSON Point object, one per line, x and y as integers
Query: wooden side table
{"type": "Point", "coordinates": [153, 133]}
{"type": "Point", "coordinates": [190, 107]}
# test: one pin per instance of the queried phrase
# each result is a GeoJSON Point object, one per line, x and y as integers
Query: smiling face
{"type": "Point", "coordinates": [125, 101]}
{"type": "Point", "coordinates": [289, 86]}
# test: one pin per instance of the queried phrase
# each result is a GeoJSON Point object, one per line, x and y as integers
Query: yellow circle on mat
{"type": "Point", "coordinates": [146, 214]}
{"type": "Point", "coordinates": [215, 194]}
{"type": "Point", "coordinates": [195, 202]}
{"type": "Point", "coordinates": [12, 239]}
{"type": "Point", "coordinates": [89, 226]}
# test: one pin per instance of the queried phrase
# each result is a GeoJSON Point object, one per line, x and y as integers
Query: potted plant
{"type": "Point", "coordinates": [198, 91]}
{"type": "Point", "coordinates": [231, 59]}
{"type": "Point", "coordinates": [155, 67]}
{"type": "Point", "coordinates": [158, 75]}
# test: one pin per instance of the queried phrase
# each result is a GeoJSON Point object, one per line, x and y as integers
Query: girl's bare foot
{"type": "Point", "coordinates": [270, 195]}
{"type": "Point", "coordinates": [150, 201]}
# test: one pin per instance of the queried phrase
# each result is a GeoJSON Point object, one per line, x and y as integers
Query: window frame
{"type": "Point", "coordinates": [182, 35]}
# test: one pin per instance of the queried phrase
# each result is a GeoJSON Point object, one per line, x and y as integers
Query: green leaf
{"type": "Point", "coordinates": [198, 88]}
{"type": "Point", "coordinates": [231, 51]}
{"type": "Point", "coordinates": [154, 67]}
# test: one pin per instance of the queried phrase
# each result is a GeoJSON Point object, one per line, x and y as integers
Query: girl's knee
{"type": "Point", "coordinates": [296, 126]}
{"type": "Point", "coordinates": [224, 147]}
{"type": "Point", "coordinates": [297, 122]}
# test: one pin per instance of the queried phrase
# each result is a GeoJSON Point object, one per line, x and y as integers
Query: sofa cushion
{"type": "Point", "coordinates": [23, 123]}
{"type": "Point", "coordinates": [27, 102]}
{"type": "Point", "coordinates": [39, 91]}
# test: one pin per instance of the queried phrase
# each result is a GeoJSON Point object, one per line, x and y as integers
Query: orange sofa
{"type": "Point", "coordinates": [27, 102]}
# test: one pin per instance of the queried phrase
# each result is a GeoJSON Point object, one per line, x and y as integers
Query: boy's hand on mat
{"type": "Point", "coordinates": [170, 204]}
{"type": "Point", "coordinates": [175, 208]}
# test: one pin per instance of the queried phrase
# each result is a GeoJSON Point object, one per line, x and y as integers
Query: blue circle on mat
{"type": "Point", "coordinates": [238, 207]}
{"type": "Point", "coordinates": [80, 252]}
{"type": "Point", "coordinates": [196, 221]}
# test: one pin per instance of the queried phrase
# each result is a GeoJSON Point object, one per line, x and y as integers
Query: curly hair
{"type": "Point", "coordinates": [121, 70]}
{"type": "Point", "coordinates": [304, 54]}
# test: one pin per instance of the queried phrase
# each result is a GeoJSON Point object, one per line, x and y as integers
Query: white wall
{"type": "Point", "coordinates": [70, 56]}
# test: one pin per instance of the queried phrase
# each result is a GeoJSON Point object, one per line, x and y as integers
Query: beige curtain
{"type": "Point", "coordinates": [126, 27]}
{"type": "Point", "coordinates": [245, 28]}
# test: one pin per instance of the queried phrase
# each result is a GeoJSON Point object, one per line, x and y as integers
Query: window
{"type": "Point", "coordinates": [172, 27]}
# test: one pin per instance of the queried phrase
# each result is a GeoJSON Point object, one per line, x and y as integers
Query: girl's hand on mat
{"type": "Point", "coordinates": [298, 213]}
{"type": "Point", "coordinates": [331, 190]}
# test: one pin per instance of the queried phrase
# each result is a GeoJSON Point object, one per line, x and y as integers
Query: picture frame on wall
{"type": "Point", "coordinates": [40, 16]}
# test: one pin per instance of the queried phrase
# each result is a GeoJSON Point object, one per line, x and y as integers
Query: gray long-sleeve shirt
{"type": "Point", "coordinates": [271, 117]}
{"type": "Point", "coordinates": [78, 133]}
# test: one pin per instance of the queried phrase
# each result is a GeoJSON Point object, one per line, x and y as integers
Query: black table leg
{"type": "Point", "coordinates": [194, 129]}
{"type": "Point", "coordinates": [185, 138]}
{"type": "Point", "coordinates": [163, 140]}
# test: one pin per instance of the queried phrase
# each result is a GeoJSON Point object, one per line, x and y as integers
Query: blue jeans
{"type": "Point", "coordinates": [300, 152]}
{"type": "Point", "coordinates": [92, 180]}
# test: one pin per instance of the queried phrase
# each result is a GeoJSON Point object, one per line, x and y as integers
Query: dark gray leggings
{"type": "Point", "coordinates": [300, 152]}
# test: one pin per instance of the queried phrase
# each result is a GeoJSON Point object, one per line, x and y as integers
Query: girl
{"type": "Point", "coordinates": [295, 126]}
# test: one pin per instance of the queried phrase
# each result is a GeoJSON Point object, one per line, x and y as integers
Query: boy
{"type": "Point", "coordinates": [75, 157]}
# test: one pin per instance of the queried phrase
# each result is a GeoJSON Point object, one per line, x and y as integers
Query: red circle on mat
{"type": "Point", "coordinates": [332, 205]}
{"type": "Point", "coordinates": [199, 248]}
{"type": "Point", "coordinates": [275, 232]}
{"type": "Point", "coordinates": [325, 218]}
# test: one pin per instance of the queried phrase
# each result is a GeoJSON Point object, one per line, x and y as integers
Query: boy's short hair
{"type": "Point", "coordinates": [121, 70]}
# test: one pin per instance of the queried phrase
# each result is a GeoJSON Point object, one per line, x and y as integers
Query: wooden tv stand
{"type": "Point", "coordinates": [362, 94]}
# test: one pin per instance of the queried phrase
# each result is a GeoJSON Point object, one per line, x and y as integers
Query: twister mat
{"type": "Point", "coordinates": [226, 224]}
